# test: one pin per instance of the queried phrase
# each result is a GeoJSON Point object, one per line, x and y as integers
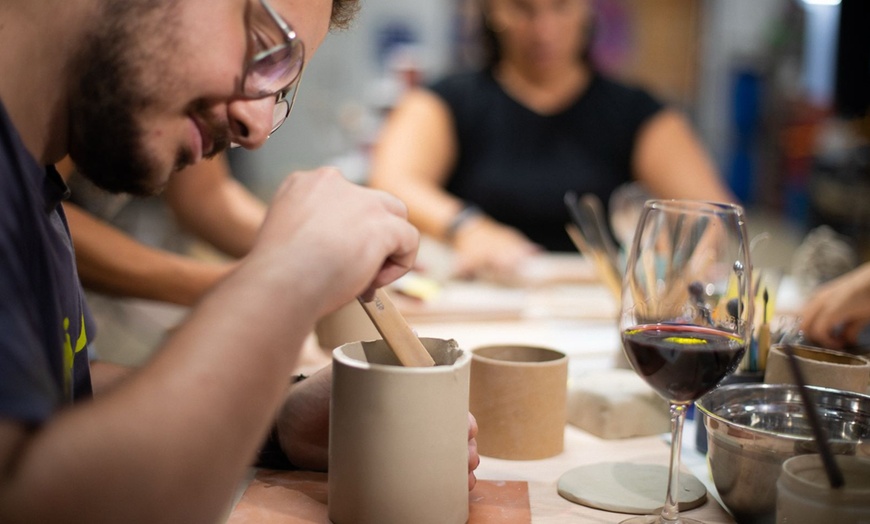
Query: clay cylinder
{"type": "Point", "coordinates": [347, 324]}
{"type": "Point", "coordinates": [805, 496]}
{"type": "Point", "coordinates": [820, 367]}
{"type": "Point", "coordinates": [398, 436]}
{"type": "Point", "coordinates": [518, 396]}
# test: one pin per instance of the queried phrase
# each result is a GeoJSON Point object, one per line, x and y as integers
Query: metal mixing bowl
{"type": "Point", "coordinates": [753, 428]}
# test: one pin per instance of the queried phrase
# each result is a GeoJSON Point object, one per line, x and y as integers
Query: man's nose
{"type": "Point", "coordinates": [251, 121]}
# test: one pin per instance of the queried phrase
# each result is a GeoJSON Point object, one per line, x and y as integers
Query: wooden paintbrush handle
{"type": "Point", "coordinates": [763, 345]}
{"type": "Point", "coordinates": [608, 274]}
{"type": "Point", "coordinates": [396, 332]}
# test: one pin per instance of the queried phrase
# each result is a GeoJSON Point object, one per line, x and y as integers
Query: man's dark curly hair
{"type": "Point", "coordinates": [343, 13]}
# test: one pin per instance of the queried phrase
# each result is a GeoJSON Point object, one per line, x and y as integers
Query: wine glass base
{"type": "Point", "coordinates": [657, 519]}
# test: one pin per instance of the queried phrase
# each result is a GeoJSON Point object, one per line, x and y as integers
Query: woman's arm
{"type": "Point", "coordinates": [415, 152]}
{"type": "Point", "coordinates": [412, 158]}
{"type": "Point", "coordinates": [671, 162]}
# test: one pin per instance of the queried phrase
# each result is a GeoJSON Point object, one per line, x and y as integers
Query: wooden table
{"type": "Point", "coordinates": [301, 497]}
{"type": "Point", "coordinates": [575, 316]}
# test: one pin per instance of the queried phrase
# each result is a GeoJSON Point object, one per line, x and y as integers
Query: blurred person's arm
{"type": "Point", "coordinates": [111, 262]}
{"type": "Point", "coordinates": [671, 162]}
{"type": "Point", "coordinates": [412, 159]}
{"type": "Point", "coordinates": [838, 310]}
{"type": "Point", "coordinates": [208, 202]}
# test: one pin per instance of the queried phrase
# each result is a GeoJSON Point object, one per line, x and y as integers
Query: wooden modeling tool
{"type": "Point", "coordinates": [396, 331]}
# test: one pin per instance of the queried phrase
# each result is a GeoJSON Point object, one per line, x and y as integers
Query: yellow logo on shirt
{"type": "Point", "coordinates": [69, 354]}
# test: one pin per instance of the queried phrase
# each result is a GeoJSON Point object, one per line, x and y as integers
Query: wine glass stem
{"type": "Point", "coordinates": [670, 512]}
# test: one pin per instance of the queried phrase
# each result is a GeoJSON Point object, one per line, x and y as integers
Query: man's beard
{"type": "Point", "coordinates": [106, 141]}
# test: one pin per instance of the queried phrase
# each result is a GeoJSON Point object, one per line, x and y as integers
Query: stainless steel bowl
{"type": "Point", "coordinates": [753, 428]}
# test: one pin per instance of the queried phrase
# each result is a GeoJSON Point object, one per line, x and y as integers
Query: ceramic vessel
{"type": "Point", "coordinates": [519, 396]}
{"type": "Point", "coordinates": [398, 444]}
{"type": "Point", "coordinates": [821, 367]}
{"type": "Point", "coordinates": [347, 324]}
{"type": "Point", "coordinates": [805, 496]}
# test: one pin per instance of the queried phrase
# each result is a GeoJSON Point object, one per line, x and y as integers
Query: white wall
{"type": "Point", "coordinates": [342, 74]}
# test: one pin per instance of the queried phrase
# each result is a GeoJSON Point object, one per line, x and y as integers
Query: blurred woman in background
{"type": "Point", "coordinates": [484, 158]}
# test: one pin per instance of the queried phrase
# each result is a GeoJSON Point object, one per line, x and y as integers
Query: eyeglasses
{"type": "Point", "coordinates": [275, 67]}
{"type": "Point", "coordinates": [284, 103]}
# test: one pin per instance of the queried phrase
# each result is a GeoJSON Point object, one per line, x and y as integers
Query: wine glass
{"type": "Point", "coordinates": [685, 317]}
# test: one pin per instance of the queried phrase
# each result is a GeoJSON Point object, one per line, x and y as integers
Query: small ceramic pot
{"type": "Point", "coordinates": [347, 324]}
{"type": "Point", "coordinates": [519, 396]}
{"type": "Point", "coordinates": [805, 496]}
{"type": "Point", "coordinates": [820, 367]}
{"type": "Point", "coordinates": [398, 436]}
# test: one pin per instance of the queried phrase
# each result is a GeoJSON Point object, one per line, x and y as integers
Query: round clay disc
{"type": "Point", "coordinates": [628, 488]}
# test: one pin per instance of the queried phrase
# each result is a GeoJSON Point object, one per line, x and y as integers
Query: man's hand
{"type": "Point", "coordinates": [473, 456]}
{"type": "Point", "coordinates": [345, 238]}
{"type": "Point", "coordinates": [303, 422]}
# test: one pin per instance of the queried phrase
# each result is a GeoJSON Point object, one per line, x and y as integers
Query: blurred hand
{"type": "Point", "coordinates": [473, 456]}
{"type": "Point", "coordinates": [486, 248]}
{"type": "Point", "coordinates": [838, 310]}
{"type": "Point", "coordinates": [303, 421]}
{"type": "Point", "coordinates": [344, 238]}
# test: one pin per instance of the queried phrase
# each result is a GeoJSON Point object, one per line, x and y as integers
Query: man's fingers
{"type": "Point", "coordinates": [472, 426]}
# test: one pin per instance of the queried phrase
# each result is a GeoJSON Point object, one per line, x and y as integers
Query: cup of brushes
{"type": "Point", "coordinates": [752, 366]}
{"type": "Point", "coordinates": [764, 288]}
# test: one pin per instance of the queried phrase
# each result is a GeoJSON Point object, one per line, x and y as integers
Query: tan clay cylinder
{"type": "Point", "coordinates": [398, 441]}
{"type": "Point", "coordinates": [518, 396]}
{"type": "Point", "coordinates": [821, 367]}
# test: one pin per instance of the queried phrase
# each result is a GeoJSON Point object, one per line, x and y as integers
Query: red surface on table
{"type": "Point", "coordinates": [300, 497]}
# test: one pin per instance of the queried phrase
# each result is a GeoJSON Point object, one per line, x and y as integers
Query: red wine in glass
{"type": "Point", "coordinates": [682, 362]}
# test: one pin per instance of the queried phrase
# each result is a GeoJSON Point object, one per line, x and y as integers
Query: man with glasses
{"type": "Point", "coordinates": [135, 90]}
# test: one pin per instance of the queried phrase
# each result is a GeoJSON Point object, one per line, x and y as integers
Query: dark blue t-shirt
{"type": "Point", "coordinates": [517, 164]}
{"type": "Point", "coordinates": [43, 317]}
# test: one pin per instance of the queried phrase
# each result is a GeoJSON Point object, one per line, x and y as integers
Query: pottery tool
{"type": "Point", "coordinates": [696, 292]}
{"type": "Point", "coordinates": [607, 273]}
{"type": "Point", "coordinates": [752, 356]}
{"type": "Point", "coordinates": [835, 475]}
{"type": "Point", "coordinates": [591, 238]}
{"type": "Point", "coordinates": [395, 330]}
{"type": "Point", "coordinates": [595, 211]}
{"type": "Point", "coordinates": [763, 333]}
{"type": "Point", "coordinates": [586, 213]}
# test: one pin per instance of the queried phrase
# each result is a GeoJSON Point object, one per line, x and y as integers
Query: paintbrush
{"type": "Point", "coordinates": [764, 333]}
{"type": "Point", "coordinates": [606, 271]}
